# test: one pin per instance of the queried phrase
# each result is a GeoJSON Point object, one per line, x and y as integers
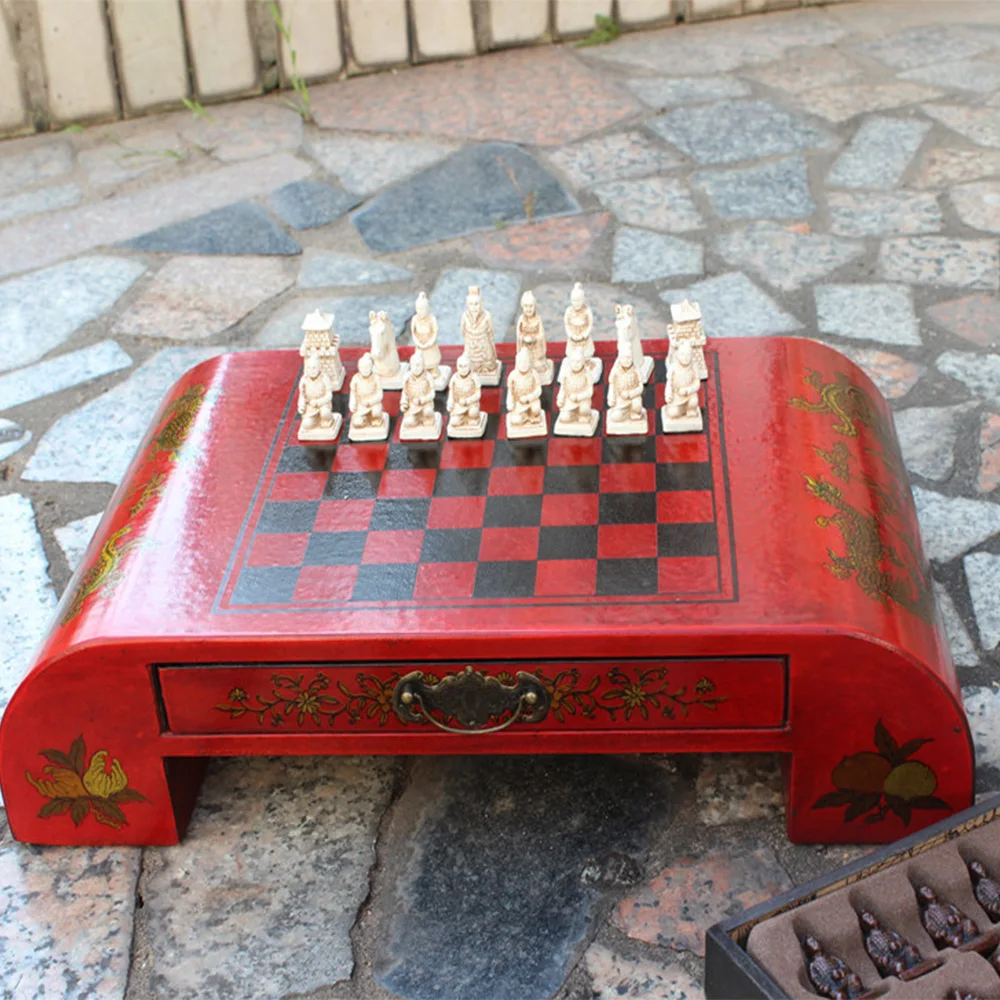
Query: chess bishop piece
{"type": "Point", "coordinates": [319, 422]}
{"type": "Point", "coordinates": [625, 412]}
{"type": "Point", "coordinates": [627, 330]}
{"type": "Point", "coordinates": [681, 412]}
{"type": "Point", "coordinates": [369, 421]}
{"type": "Point", "coordinates": [687, 326]}
{"type": "Point", "coordinates": [466, 419]}
{"type": "Point", "coordinates": [478, 338]}
{"type": "Point", "coordinates": [531, 335]}
{"type": "Point", "coordinates": [385, 357]}
{"type": "Point", "coordinates": [578, 322]}
{"type": "Point", "coordinates": [319, 340]}
{"type": "Point", "coordinates": [830, 976]}
{"type": "Point", "coordinates": [525, 416]}
{"type": "Point", "coordinates": [577, 417]}
{"type": "Point", "coordinates": [419, 421]}
{"type": "Point", "coordinates": [424, 331]}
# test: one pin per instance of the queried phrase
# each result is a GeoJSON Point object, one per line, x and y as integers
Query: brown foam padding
{"type": "Point", "coordinates": [962, 970]}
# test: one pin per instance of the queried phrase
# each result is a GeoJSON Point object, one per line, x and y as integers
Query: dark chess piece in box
{"type": "Point", "coordinates": [830, 976]}
{"type": "Point", "coordinates": [986, 891]}
{"type": "Point", "coordinates": [945, 923]}
{"type": "Point", "coordinates": [890, 952]}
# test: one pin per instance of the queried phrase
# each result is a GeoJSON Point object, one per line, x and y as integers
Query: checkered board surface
{"type": "Point", "coordinates": [552, 520]}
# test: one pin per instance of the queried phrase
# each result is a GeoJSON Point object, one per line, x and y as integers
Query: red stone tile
{"type": "Point", "coordinates": [566, 577]}
{"type": "Point", "coordinates": [574, 451]}
{"type": "Point", "coordinates": [456, 512]}
{"type": "Point", "coordinates": [393, 547]}
{"type": "Point", "coordinates": [368, 457]}
{"type": "Point", "coordinates": [975, 318]}
{"type": "Point", "coordinates": [638, 477]}
{"type": "Point", "coordinates": [437, 580]}
{"type": "Point", "coordinates": [570, 509]}
{"type": "Point", "coordinates": [681, 448]}
{"type": "Point", "coordinates": [278, 550]}
{"type": "Point", "coordinates": [626, 541]}
{"type": "Point", "coordinates": [406, 483]}
{"type": "Point", "coordinates": [517, 480]}
{"type": "Point", "coordinates": [688, 575]}
{"type": "Point", "coordinates": [508, 544]}
{"type": "Point", "coordinates": [684, 507]}
{"type": "Point", "coordinates": [298, 486]}
{"type": "Point", "coordinates": [551, 243]}
{"type": "Point", "coordinates": [466, 454]}
{"type": "Point", "coordinates": [344, 515]}
{"type": "Point", "coordinates": [326, 583]}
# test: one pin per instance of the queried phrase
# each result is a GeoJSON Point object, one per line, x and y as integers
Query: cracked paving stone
{"type": "Point", "coordinates": [868, 312]}
{"type": "Point", "coordinates": [447, 916]}
{"type": "Point", "coordinates": [807, 70]}
{"type": "Point", "coordinates": [883, 214]}
{"type": "Point", "coordinates": [327, 269]}
{"type": "Point", "coordinates": [978, 205]}
{"type": "Point", "coordinates": [979, 373]}
{"type": "Point", "coordinates": [644, 256]}
{"type": "Point", "coordinates": [13, 437]}
{"type": "Point", "coordinates": [284, 328]}
{"type": "Point", "coordinates": [738, 788]}
{"type": "Point", "coordinates": [553, 299]}
{"type": "Point", "coordinates": [978, 76]}
{"type": "Point", "coordinates": [41, 200]}
{"type": "Point", "coordinates": [245, 131]}
{"type": "Point", "coordinates": [281, 849]}
{"type": "Point", "coordinates": [309, 204]}
{"type": "Point", "coordinates": [616, 977]}
{"type": "Point", "coordinates": [134, 154]}
{"type": "Point", "coordinates": [950, 526]}
{"type": "Point", "coordinates": [941, 261]}
{"type": "Point", "coordinates": [41, 161]}
{"type": "Point", "coordinates": [40, 311]}
{"type": "Point", "coordinates": [664, 92]}
{"type": "Point", "coordinates": [560, 244]}
{"type": "Point", "coordinates": [982, 708]}
{"type": "Point", "coordinates": [893, 376]}
{"type": "Point", "coordinates": [989, 453]}
{"type": "Point", "coordinates": [620, 156]}
{"type": "Point", "coordinates": [73, 538]}
{"type": "Point", "coordinates": [982, 571]}
{"type": "Point", "coordinates": [979, 125]}
{"type": "Point", "coordinates": [500, 291]}
{"type": "Point", "coordinates": [839, 104]}
{"type": "Point", "coordinates": [879, 153]}
{"type": "Point", "coordinates": [776, 190]}
{"type": "Point", "coordinates": [963, 652]}
{"type": "Point", "coordinates": [928, 44]}
{"type": "Point", "coordinates": [927, 437]}
{"type": "Point", "coordinates": [975, 318]}
{"type": "Point", "coordinates": [733, 306]}
{"type": "Point", "coordinates": [941, 168]}
{"type": "Point", "coordinates": [660, 203]}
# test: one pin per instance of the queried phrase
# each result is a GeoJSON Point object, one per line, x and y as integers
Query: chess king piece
{"type": "Point", "coordinates": [625, 412]}
{"type": "Point", "coordinates": [986, 891]}
{"type": "Point", "coordinates": [531, 335]}
{"type": "Point", "coordinates": [577, 417]}
{"type": "Point", "coordinates": [687, 326]}
{"type": "Point", "coordinates": [890, 952]}
{"type": "Point", "coordinates": [369, 422]}
{"type": "Point", "coordinates": [319, 422]}
{"type": "Point", "coordinates": [830, 976]}
{"type": "Point", "coordinates": [525, 416]}
{"type": "Point", "coordinates": [477, 336]}
{"type": "Point", "coordinates": [424, 331]}
{"type": "Point", "coordinates": [578, 322]}
{"type": "Point", "coordinates": [627, 329]}
{"type": "Point", "coordinates": [319, 339]}
{"type": "Point", "coordinates": [385, 357]}
{"type": "Point", "coordinates": [946, 925]}
{"type": "Point", "coordinates": [420, 421]}
{"type": "Point", "coordinates": [466, 419]}
{"type": "Point", "coordinates": [680, 412]}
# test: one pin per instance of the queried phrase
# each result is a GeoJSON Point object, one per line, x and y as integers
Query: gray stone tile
{"type": "Point", "coordinates": [733, 306]}
{"type": "Point", "coordinates": [309, 205]}
{"type": "Point", "coordinates": [883, 213]}
{"type": "Point", "coordinates": [275, 863]}
{"type": "Point", "coordinates": [893, 376]}
{"type": "Point", "coordinates": [950, 526]}
{"type": "Point", "coordinates": [328, 269]}
{"type": "Point", "coordinates": [730, 131]}
{"type": "Point", "coordinates": [978, 205]}
{"type": "Point", "coordinates": [963, 652]}
{"type": "Point", "coordinates": [879, 153]}
{"type": "Point", "coordinates": [192, 298]}
{"type": "Point", "coordinates": [73, 538]}
{"type": "Point", "coordinates": [838, 104]}
{"type": "Point", "coordinates": [61, 372]}
{"type": "Point", "coordinates": [663, 92]}
{"type": "Point", "coordinates": [980, 373]}
{"type": "Point", "coordinates": [40, 311]}
{"type": "Point", "coordinates": [927, 436]}
{"type": "Point", "coordinates": [26, 164]}
{"type": "Point", "coordinates": [640, 255]}
{"type": "Point", "coordinates": [783, 258]}
{"type": "Point", "coordinates": [614, 157]}
{"type": "Point", "coordinates": [473, 190]}
{"type": "Point", "coordinates": [738, 788]}
{"type": "Point", "coordinates": [553, 298]}
{"type": "Point", "coordinates": [618, 977]}
{"type": "Point", "coordinates": [13, 437]}
{"type": "Point", "coordinates": [45, 199]}
{"type": "Point", "coordinates": [95, 443]}
{"type": "Point", "coordinates": [775, 190]}
{"type": "Point", "coordinates": [246, 130]}
{"type": "Point", "coordinates": [941, 261]}
{"type": "Point", "coordinates": [807, 70]}
{"type": "Point", "coordinates": [660, 203]}
{"type": "Point", "coordinates": [868, 312]}
{"type": "Point", "coordinates": [940, 168]}
{"type": "Point", "coordinates": [284, 328]}
{"type": "Point", "coordinates": [131, 154]}
{"type": "Point", "coordinates": [977, 75]}
{"type": "Point", "coordinates": [501, 292]}
{"type": "Point", "coordinates": [982, 571]}
{"type": "Point", "coordinates": [982, 708]}
{"type": "Point", "coordinates": [978, 125]}
{"type": "Point", "coordinates": [927, 44]}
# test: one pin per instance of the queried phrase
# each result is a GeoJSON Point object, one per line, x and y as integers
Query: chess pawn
{"type": "Point", "coordinates": [578, 322]}
{"type": "Point", "coordinates": [830, 976]}
{"type": "Point", "coordinates": [625, 412]}
{"type": "Point", "coordinates": [424, 331]}
{"type": "Point", "coordinates": [687, 325]}
{"type": "Point", "coordinates": [986, 891]}
{"type": "Point", "coordinates": [680, 412]}
{"type": "Point", "coordinates": [627, 330]}
{"type": "Point", "coordinates": [945, 923]}
{"type": "Point", "coordinates": [369, 421]}
{"type": "Point", "coordinates": [319, 422]}
{"type": "Point", "coordinates": [525, 416]}
{"type": "Point", "coordinates": [531, 335]}
{"type": "Point", "coordinates": [477, 336]}
{"type": "Point", "coordinates": [319, 339]}
{"type": "Point", "coordinates": [466, 419]}
{"type": "Point", "coordinates": [577, 417]}
{"type": "Point", "coordinates": [890, 952]}
{"type": "Point", "coordinates": [385, 357]}
{"type": "Point", "coordinates": [419, 421]}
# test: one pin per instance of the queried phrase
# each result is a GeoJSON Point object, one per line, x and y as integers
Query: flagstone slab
{"type": "Point", "coordinates": [351, 320]}
{"type": "Point", "coordinates": [940, 168]}
{"type": "Point", "coordinates": [841, 103]}
{"type": "Point", "coordinates": [978, 205]}
{"type": "Point", "coordinates": [982, 705]}
{"type": "Point", "coordinates": [664, 92]}
{"type": "Point", "coordinates": [13, 437]}
{"type": "Point", "coordinates": [739, 788]}
{"type": "Point", "coordinates": [617, 977]}
{"type": "Point", "coordinates": [641, 255]}
{"type": "Point", "coordinates": [980, 373]}
{"type": "Point", "coordinates": [244, 131]}
{"type": "Point", "coordinates": [29, 163]}
{"type": "Point", "coordinates": [950, 526]}
{"type": "Point", "coordinates": [566, 244]}
{"type": "Point", "coordinates": [733, 306]}
{"type": "Point", "coordinates": [807, 70]}
{"type": "Point", "coordinates": [45, 199]}
{"type": "Point", "coordinates": [775, 190]}
{"type": "Point", "coordinates": [329, 269]}
{"type": "Point", "coordinates": [975, 318]}
{"type": "Point", "coordinates": [883, 213]}
{"type": "Point", "coordinates": [73, 538]}
{"type": "Point", "coordinates": [927, 437]}
{"type": "Point", "coordinates": [883, 313]}
{"type": "Point", "coordinates": [616, 157]}
{"type": "Point", "coordinates": [660, 203]}
{"type": "Point", "coordinates": [309, 205]}
{"type": "Point", "coordinates": [133, 154]}
{"type": "Point", "coordinates": [988, 478]}
{"type": "Point", "coordinates": [982, 571]}
{"type": "Point", "coordinates": [927, 44]}
{"type": "Point", "coordinates": [963, 652]}
{"type": "Point", "coordinates": [893, 376]}
{"type": "Point", "coordinates": [500, 291]}
{"type": "Point", "coordinates": [976, 75]}
{"type": "Point", "coordinates": [941, 261]}
{"type": "Point", "coordinates": [978, 125]}
{"type": "Point", "coordinates": [879, 153]}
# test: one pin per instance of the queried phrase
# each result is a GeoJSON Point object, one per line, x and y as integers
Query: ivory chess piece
{"type": "Point", "coordinates": [625, 412]}
{"type": "Point", "coordinates": [419, 421]}
{"type": "Point", "coordinates": [687, 326]}
{"type": "Point", "coordinates": [424, 331]}
{"type": "Point", "coordinates": [369, 421]}
{"type": "Point", "coordinates": [681, 412]}
{"type": "Point", "coordinates": [525, 416]}
{"type": "Point", "coordinates": [531, 335]}
{"type": "Point", "coordinates": [385, 357]}
{"type": "Point", "coordinates": [466, 419]}
{"type": "Point", "coordinates": [319, 422]}
{"type": "Point", "coordinates": [627, 329]}
{"type": "Point", "coordinates": [830, 976]}
{"type": "Point", "coordinates": [577, 416]}
{"type": "Point", "coordinates": [578, 321]}
{"type": "Point", "coordinates": [478, 338]}
{"type": "Point", "coordinates": [320, 341]}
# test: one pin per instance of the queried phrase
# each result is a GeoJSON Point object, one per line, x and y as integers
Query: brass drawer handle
{"type": "Point", "coordinates": [470, 698]}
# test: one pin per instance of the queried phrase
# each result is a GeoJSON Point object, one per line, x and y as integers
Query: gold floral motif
{"type": "Point", "coordinates": [151, 490]}
{"type": "Point", "coordinates": [180, 420]}
{"type": "Point", "coordinates": [650, 689]}
{"type": "Point", "coordinates": [105, 574]}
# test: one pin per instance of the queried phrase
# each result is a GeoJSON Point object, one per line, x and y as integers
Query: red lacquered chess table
{"type": "Point", "coordinates": [756, 587]}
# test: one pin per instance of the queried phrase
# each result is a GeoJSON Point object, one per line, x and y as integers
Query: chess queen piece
{"type": "Point", "coordinates": [985, 889]}
{"type": "Point", "coordinates": [424, 331]}
{"type": "Point", "coordinates": [687, 326]}
{"type": "Point", "coordinates": [578, 322]}
{"type": "Point", "coordinates": [830, 976]}
{"type": "Point", "coordinates": [525, 416]}
{"type": "Point", "coordinates": [369, 421]}
{"type": "Point", "coordinates": [625, 413]}
{"type": "Point", "coordinates": [419, 421]}
{"type": "Point", "coordinates": [466, 419]}
{"type": "Point", "coordinates": [680, 412]}
{"type": "Point", "coordinates": [890, 952]}
{"type": "Point", "coordinates": [577, 417]}
{"type": "Point", "coordinates": [319, 422]}
{"type": "Point", "coordinates": [946, 925]}
{"type": "Point", "coordinates": [627, 330]}
{"type": "Point", "coordinates": [477, 336]}
{"type": "Point", "coordinates": [385, 357]}
{"type": "Point", "coordinates": [319, 340]}
{"type": "Point", "coordinates": [531, 335]}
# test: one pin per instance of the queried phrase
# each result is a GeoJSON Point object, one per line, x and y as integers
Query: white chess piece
{"type": "Point", "coordinates": [680, 412]}
{"type": "Point", "coordinates": [369, 421]}
{"type": "Point", "coordinates": [577, 417]}
{"type": "Point", "coordinates": [319, 422]}
{"type": "Point", "coordinates": [627, 329]}
{"type": "Point", "coordinates": [687, 326]}
{"type": "Point", "coordinates": [531, 334]}
{"type": "Point", "coordinates": [319, 339]}
{"type": "Point", "coordinates": [525, 416]}
{"type": "Point", "coordinates": [464, 402]}
{"type": "Point", "coordinates": [424, 331]}
{"type": "Point", "coordinates": [625, 412]}
{"type": "Point", "coordinates": [385, 357]}
{"type": "Point", "coordinates": [419, 421]}
{"type": "Point", "coordinates": [478, 339]}
{"type": "Point", "coordinates": [578, 322]}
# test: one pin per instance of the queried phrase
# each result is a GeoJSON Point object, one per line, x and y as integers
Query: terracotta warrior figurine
{"type": "Point", "coordinates": [625, 414]}
{"type": "Point", "coordinates": [525, 416]}
{"type": "Point", "coordinates": [319, 422]}
{"type": "Point", "coordinates": [830, 976]}
{"type": "Point", "coordinates": [477, 336]}
{"type": "Point", "coordinates": [420, 421]}
{"type": "Point", "coordinates": [467, 419]}
{"type": "Point", "coordinates": [577, 417]}
{"type": "Point", "coordinates": [531, 334]}
{"type": "Point", "coordinates": [687, 325]}
{"type": "Point", "coordinates": [424, 331]}
{"type": "Point", "coordinates": [369, 422]}
{"type": "Point", "coordinates": [384, 354]}
{"type": "Point", "coordinates": [578, 321]}
{"type": "Point", "coordinates": [680, 412]}
{"type": "Point", "coordinates": [319, 339]}
{"type": "Point", "coordinates": [946, 925]}
{"type": "Point", "coordinates": [627, 329]}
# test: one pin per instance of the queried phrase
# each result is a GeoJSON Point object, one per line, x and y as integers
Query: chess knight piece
{"type": "Point", "coordinates": [477, 336]}
{"type": "Point", "coordinates": [680, 412]}
{"type": "Point", "coordinates": [467, 419]}
{"type": "Point", "coordinates": [946, 925]}
{"type": "Point", "coordinates": [531, 335]}
{"type": "Point", "coordinates": [577, 417]}
{"type": "Point", "coordinates": [420, 421]}
{"type": "Point", "coordinates": [369, 422]}
{"type": "Point", "coordinates": [385, 357]}
{"type": "Point", "coordinates": [424, 331]}
{"type": "Point", "coordinates": [578, 322]}
{"type": "Point", "coordinates": [890, 952]}
{"type": "Point", "coordinates": [625, 413]}
{"type": "Point", "coordinates": [831, 976]}
{"type": "Point", "coordinates": [320, 340]}
{"type": "Point", "coordinates": [687, 326]}
{"type": "Point", "coordinates": [319, 422]}
{"type": "Point", "coordinates": [627, 329]}
{"type": "Point", "coordinates": [525, 416]}
{"type": "Point", "coordinates": [986, 891]}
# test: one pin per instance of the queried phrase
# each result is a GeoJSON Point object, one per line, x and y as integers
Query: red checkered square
{"type": "Point", "coordinates": [637, 477]}
{"type": "Point", "coordinates": [681, 448]}
{"type": "Point", "coordinates": [278, 550]}
{"type": "Point", "coordinates": [368, 457]}
{"type": "Point", "coordinates": [574, 451]}
{"type": "Point", "coordinates": [325, 583]}
{"type": "Point", "coordinates": [438, 580]}
{"type": "Point", "coordinates": [626, 541]}
{"type": "Point", "coordinates": [398, 484]}
{"type": "Point", "coordinates": [568, 509]}
{"type": "Point", "coordinates": [471, 454]}
{"type": "Point", "coordinates": [489, 399]}
{"type": "Point", "coordinates": [344, 515]}
{"type": "Point", "coordinates": [688, 575]}
{"type": "Point", "coordinates": [566, 578]}
{"type": "Point", "coordinates": [393, 547]}
{"type": "Point", "coordinates": [517, 480]}
{"type": "Point", "coordinates": [456, 512]}
{"type": "Point", "coordinates": [685, 507]}
{"type": "Point", "coordinates": [298, 486]}
{"type": "Point", "coordinates": [508, 544]}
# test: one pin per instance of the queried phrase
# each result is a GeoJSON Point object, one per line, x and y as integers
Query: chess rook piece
{"type": "Point", "coordinates": [627, 331]}
{"type": "Point", "coordinates": [687, 326]}
{"type": "Point", "coordinates": [466, 419]}
{"type": "Point", "coordinates": [577, 417]}
{"type": "Point", "coordinates": [420, 421]}
{"type": "Point", "coordinates": [369, 421]}
{"type": "Point", "coordinates": [578, 321]}
{"type": "Point", "coordinates": [424, 331]}
{"type": "Point", "coordinates": [680, 412]}
{"type": "Point", "coordinates": [986, 891]}
{"type": "Point", "coordinates": [531, 336]}
{"type": "Point", "coordinates": [319, 340]}
{"type": "Point", "coordinates": [525, 416]}
{"type": "Point", "coordinates": [946, 925]}
{"type": "Point", "coordinates": [319, 422]}
{"type": "Point", "coordinates": [830, 976]}
{"type": "Point", "coordinates": [625, 412]}
{"type": "Point", "coordinates": [890, 952]}
{"type": "Point", "coordinates": [477, 336]}
{"type": "Point", "coordinates": [385, 357]}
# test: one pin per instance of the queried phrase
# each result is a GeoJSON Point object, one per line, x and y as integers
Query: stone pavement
{"type": "Point", "coordinates": [825, 172]}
